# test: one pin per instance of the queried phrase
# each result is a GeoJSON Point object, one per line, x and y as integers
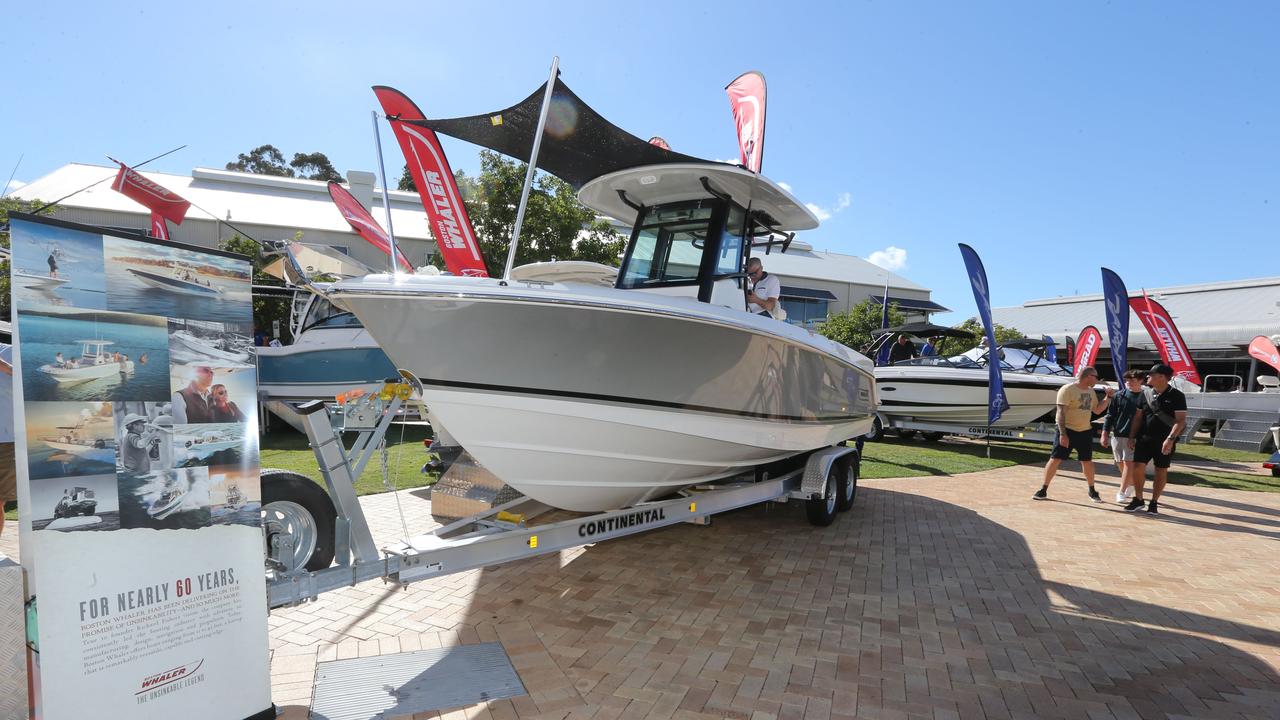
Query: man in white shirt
{"type": "Point", "coordinates": [762, 298]}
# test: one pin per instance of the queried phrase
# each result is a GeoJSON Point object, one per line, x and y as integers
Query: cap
{"type": "Point", "coordinates": [132, 418]}
{"type": "Point", "coordinates": [1161, 369]}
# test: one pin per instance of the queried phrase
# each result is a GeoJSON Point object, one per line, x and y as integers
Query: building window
{"type": "Point", "coordinates": [805, 311]}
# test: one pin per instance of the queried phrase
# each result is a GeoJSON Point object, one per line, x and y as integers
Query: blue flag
{"type": "Point", "coordinates": [1050, 350]}
{"type": "Point", "coordinates": [1115, 300]}
{"type": "Point", "coordinates": [997, 402]}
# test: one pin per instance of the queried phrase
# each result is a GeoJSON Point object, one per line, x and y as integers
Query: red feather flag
{"type": "Point", "coordinates": [363, 223]}
{"type": "Point", "coordinates": [1168, 340]}
{"type": "Point", "coordinates": [167, 204]}
{"type": "Point", "coordinates": [747, 100]}
{"type": "Point", "coordinates": [1087, 347]}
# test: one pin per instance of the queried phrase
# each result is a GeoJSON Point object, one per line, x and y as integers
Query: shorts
{"type": "Point", "coordinates": [8, 474]}
{"type": "Point", "coordinates": [1147, 450]}
{"type": "Point", "coordinates": [1122, 449]}
{"type": "Point", "coordinates": [1079, 440]}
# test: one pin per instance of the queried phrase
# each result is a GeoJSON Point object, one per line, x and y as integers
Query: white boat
{"type": "Point", "coordinates": [36, 281]}
{"type": "Point", "coordinates": [94, 363]}
{"type": "Point", "coordinates": [591, 397]}
{"type": "Point", "coordinates": [168, 502]}
{"type": "Point", "coordinates": [235, 498]}
{"type": "Point", "coordinates": [180, 280]}
{"type": "Point", "coordinates": [953, 389]}
{"type": "Point", "coordinates": [95, 449]}
{"type": "Point", "coordinates": [210, 348]}
{"type": "Point", "coordinates": [211, 441]}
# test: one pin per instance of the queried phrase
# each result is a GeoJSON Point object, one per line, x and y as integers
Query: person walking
{"type": "Point", "coordinates": [1077, 405]}
{"type": "Point", "coordinates": [1119, 430]}
{"type": "Point", "coordinates": [1162, 416]}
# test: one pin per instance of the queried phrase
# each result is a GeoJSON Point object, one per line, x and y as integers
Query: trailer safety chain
{"type": "Point", "coordinates": [384, 460]}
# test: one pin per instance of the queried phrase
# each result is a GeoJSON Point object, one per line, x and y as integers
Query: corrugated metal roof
{"type": "Point", "coordinates": [821, 265]}
{"type": "Point", "coordinates": [1209, 315]}
{"type": "Point", "coordinates": [244, 197]}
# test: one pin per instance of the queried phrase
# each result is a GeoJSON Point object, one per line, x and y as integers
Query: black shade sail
{"type": "Point", "coordinates": [579, 144]}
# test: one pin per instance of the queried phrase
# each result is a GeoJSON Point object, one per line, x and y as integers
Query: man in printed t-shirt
{"type": "Point", "coordinates": [1162, 416]}
{"type": "Point", "coordinates": [1077, 405]}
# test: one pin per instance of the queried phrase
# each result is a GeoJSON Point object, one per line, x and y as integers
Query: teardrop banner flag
{"type": "Point", "coordinates": [159, 227]}
{"type": "Point", "coordinates": [1087, 347]}
{"type": "Point", "coordinates": [1159, 325]}
{"type": "Point", "coordinates": [363, 223]}
{"type": "Point", "coordinates": [997, 401]}
{"type": "Point", "coordinates": [747, 100]}
{"type": "Point", "coordinates": [1115, 300]}
{"type": "Point", "coordinates": [1050, 349]}
{"type": "Point", "coordinates": [431, 173]}
{"type": "Point", "coordinates": [168, 205]}
{"type": "Point", "coordinates": [1263, 349]}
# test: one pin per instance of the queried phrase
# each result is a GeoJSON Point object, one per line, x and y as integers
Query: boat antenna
{"type": "Point", "coordinates": [46, 206]}
{"type": "Point", "coordinates": [386, 199]}
{"type": "Point", "coordinates": [533, 165]}
{"type": "Point", "coordinates": [5, 189]}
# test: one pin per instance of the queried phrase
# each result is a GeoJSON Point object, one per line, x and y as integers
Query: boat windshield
{"type": "Point", "coordinates": [668, 243]}
{"type": "Point", "coordinates": [322, 313]}
{"type": "Point", "coordinates": [1011, 360]}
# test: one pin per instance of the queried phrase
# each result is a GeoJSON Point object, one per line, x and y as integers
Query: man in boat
{"type": "Point", "coordinates": [192, 403]}
{"type": "Point", "coordinates": [762, 298]}
{"type": "Point", "coordinates": [135, 451]}
{"type": "Point", "coordinates": [1161, 417]}
{"type": "Point", "coordinates": [903, 349]}
{"type": "Point", "coordinates": [223, 409]}
{"type": "Point", "coordinates": [59, 360]}
{"type": "Point", "coordinates": [1077, 405]}
{"type": "Point", "coordinates": [930, 348]}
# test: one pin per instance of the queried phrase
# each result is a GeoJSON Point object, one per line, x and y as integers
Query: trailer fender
{"type": "Point", "coordinates": [816, 468]}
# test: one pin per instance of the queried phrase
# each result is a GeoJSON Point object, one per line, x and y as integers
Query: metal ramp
{"type": "Point", "coordinates": [1235, 428]}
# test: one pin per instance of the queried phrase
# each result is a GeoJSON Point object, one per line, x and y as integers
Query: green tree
{"type": "Point", "coordinates": [406, 181]}
{"type": "Point", "coordinates": [853, 329]}
{"type": "Point", "coordinates": [314, 166]}
{"type": "Point", "coordinates": [262, 160]}
{"type": "Point", "coordinates": [8, 205]}
{"type": "Point", "coordinates": [266, 308]}
{"type": "Point", "coordinates": [1003, 334]}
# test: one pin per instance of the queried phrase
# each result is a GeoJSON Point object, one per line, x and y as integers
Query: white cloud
{"type": "Point", "coordinates": [784, 186]}
{"type": "Point", "coordinates": [843, 201]}
{"type": "Point", "coordinates": [891, 258]}
{"type": "Point", "coordinates": [14, 186]}
{"type": "Point", "coordinates": [821, 214]}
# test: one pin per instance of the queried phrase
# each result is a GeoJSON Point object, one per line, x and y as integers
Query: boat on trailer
{"type": "Point", "coordinates": [591, 397]}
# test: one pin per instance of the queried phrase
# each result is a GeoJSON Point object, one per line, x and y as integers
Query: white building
{"type": "Point", "coordinates": [814, 283]}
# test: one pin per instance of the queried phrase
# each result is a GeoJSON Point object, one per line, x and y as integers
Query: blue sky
{"type": "Point", "coordinates": [1054, 138]}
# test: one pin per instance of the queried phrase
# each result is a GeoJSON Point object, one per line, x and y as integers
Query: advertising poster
{"type": "Point", "coordinates": [137, 455]}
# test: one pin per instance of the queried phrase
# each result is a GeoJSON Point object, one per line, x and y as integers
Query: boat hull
{"type": "Point", "coordinates": [170, 284]}
{"type": "Point", "coordinates": [86, 373]}
{"type": "Point", "coordinates": [959, 396]}
{"type": "Point", "coordinates": [587, 404]}
{"type": "Point", "coordinates": [88, 452]}
{"type": "Point", "coordinates": [39, 282]}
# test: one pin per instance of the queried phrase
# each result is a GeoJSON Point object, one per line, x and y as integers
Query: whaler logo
{"type": "Point", "coordinates": [449, 228]}
{"type": "Point", "coordinates": [1167, 339]}
{"type": "Point", "coordinates": [161, 679]}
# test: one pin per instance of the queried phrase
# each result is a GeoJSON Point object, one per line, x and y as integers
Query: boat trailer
{"type": "Point", "coordinates": [826, 481]}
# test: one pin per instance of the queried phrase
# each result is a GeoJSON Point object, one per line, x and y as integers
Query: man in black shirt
{"type": "Point", "coordinates": [1161, 418]}
{"type": "Point", "coordinates": [904, 349]}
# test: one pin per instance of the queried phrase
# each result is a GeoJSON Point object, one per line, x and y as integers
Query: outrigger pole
{"type": "Point", "coordinates": [386, 201]}
{"type": "Point", "coordinates": [533, 163]}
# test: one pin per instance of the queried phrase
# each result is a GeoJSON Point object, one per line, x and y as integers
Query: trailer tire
{"type": "Point", "coordinates": [848, 485]}
{"type": "Point", "coordinates": [822, 511]}
{"type": "Point", "coordinates": [293, 505]}
{"type": "Point", "coordinates": [876, 433]}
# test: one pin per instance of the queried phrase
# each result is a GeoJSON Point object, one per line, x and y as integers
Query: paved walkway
{"type": "Point", "coordinates": [946, 597]}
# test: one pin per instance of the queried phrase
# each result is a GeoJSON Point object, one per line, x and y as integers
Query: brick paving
{"type": "Point", "coordinates": [943, 597]}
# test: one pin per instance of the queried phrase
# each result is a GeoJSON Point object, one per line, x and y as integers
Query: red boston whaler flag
{"type": "Point", "coordinates": [746, 98]}
{"type": "Point", "coordinates": [1087, 347]}
{"type": "Point", "coordinates": [1263, 349]}
{"type": "Point", "coordinates": [166, 204]}
{"type": "Point", "coordinates": [363, 223]}
{"type": "Point", "coordinates": [1168, 340]}
{"type": "Point", "coordinates": [159, 228]}
{"type": "Point", "coordinates": [434, 178]}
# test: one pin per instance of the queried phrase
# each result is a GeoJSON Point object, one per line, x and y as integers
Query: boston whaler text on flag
{"type": "Point", "coordinates": [747, 99]}
{"type": "Point", "coordinates": [1263, 349]}
{"type": "Point", "coordinates": [1087, 347]}
{"type": "Point", "coordinates": [997, 402]}
{"type": "Point", "coordinates": [434, 178]}
{"type": "Point", "coordinates": [363, 223]}
{"type": "Point", "coordinates": [1166, 336]}
{"type": "Point", "coordinates": [1115, 300]}
{"type": "Point", "coordinates": [163, 204]}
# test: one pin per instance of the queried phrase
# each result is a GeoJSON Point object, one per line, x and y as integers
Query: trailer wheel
{"type": "Point", "coordinates": [297, 521]}
{"type": "Point", "coordinates": [848, 485]}
{"type": "Point", "coordinates": [932, 436]}
{"type": "Point", "coordinates": [822, 511]}
{"type": "Point", "coordinates": [877, 430]}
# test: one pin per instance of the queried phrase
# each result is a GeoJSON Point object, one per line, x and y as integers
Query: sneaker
{"type": "Point", "coordinates": [1128, 493]}
{"type": "Point", "coordinates": [1094, 496]}
{"type": "Point", "coordinates": [1151, 508]}
{"type": "Point", "coordinates": [1041, 494]}
{"type": "Point", "coordinates": [1133, 505]}
{"type": "Point", "coordinates": [1120, 498]}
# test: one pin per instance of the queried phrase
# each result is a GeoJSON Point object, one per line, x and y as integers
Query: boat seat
{"type": "Point", "coordinates": [1269, 383]}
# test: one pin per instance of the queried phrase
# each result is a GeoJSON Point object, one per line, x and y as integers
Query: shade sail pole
{"type": "Point", "coordinates": [386, 200]}
{"type": "Point", "coordinates": [533, 164]}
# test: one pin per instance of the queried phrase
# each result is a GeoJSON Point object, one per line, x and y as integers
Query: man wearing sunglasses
{"type": "Point", "coordinates": [762, 298]}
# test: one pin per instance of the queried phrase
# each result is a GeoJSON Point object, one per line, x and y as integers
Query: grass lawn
{"type": "Point", "coordinates": [896, 457]}
{"type": "Point", "coordinates": [286, 449]}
